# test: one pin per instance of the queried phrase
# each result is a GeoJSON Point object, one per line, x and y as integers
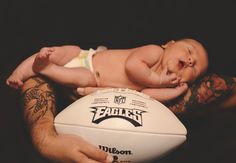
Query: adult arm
{"type": "Point", "coordinates": [214, 91]}
{"type": "Point", "coordinates": [218, 91]}
{"type": "Point", "coordinates": [39, 112]}
{"type": "Point", "coordinates": [161, 94]}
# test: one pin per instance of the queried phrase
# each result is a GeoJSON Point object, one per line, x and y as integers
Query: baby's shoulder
{"type": "Point", "coordinates": [151, 48]}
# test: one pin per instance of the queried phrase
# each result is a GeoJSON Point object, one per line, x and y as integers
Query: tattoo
{"type": "Point", "coordinates": [207, 90]}
{"type": "Point", "coordinates": [38, 100]}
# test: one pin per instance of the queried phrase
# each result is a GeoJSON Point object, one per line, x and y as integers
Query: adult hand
{"type": "Point", "coordinates": [72, 149]}
{"type": "Point", "coordinates": [83, 91]}
{"type": "Point", "coordinates": [39, 112]}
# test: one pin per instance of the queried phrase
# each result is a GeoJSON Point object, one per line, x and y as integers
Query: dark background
{"type": "Point", "coordinates": [26, 26]}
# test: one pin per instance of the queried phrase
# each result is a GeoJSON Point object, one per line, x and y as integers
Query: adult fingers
{"type": "Point", "coordinates": [96, 154]}
{"type": "Point", "coordinates": [88, 90]}
{"type": "Point", "coordinates": [82, 158]}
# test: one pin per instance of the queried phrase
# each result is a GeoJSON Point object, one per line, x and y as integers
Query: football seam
{"type": "Point", "coordinates": [184, 135]}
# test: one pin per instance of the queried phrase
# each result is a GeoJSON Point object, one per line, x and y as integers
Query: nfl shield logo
{"type": "Point", "coordinates": [119, 99]}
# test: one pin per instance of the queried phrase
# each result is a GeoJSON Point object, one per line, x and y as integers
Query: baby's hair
{"type": "Point", "coordinates": [198, 42]}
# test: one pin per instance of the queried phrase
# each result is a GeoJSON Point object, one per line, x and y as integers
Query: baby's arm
{"type": "Point", "coordinates": [140, 67]}
{"type": "Point", "coordinates": [166, 94]}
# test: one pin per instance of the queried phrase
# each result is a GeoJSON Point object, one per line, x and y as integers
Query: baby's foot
{"type": "Point", "coordinates": [46, 52]}
{"type": "Point", "coordinates": [41, 61]}
{"type": "Point", "coordinates": [14, 81]}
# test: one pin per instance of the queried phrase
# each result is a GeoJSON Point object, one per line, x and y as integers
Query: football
{"type": "Point", "coordinates": [129, 125]}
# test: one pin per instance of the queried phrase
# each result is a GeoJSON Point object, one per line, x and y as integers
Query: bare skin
{"type": "Point", "coordinates": [150, 69]}
{"type": "Point", "coordinates": [67, 148]}
{"type": "Point", "coordinates": [39, 111]}
{"type": "Point", "coordinates": [39, 61]}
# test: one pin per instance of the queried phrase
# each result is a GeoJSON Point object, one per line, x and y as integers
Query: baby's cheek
{"type": "Point", "coordinates": [183, 77]}
{"type": "Point", "coordinates": [188, 75]}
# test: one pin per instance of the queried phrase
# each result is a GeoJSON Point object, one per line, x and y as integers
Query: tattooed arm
{"type": "Point", "coordinates": [214, 89]}
{"type": "Point", "coordinates": [39, 111]}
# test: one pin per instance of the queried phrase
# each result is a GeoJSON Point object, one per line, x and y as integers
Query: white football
{"type": "Point", "coordinates": [128, 124]}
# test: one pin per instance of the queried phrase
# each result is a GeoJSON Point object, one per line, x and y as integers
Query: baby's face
{"type": "Point", "coordinates": [187, 58]}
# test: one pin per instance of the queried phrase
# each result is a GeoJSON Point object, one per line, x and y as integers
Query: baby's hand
{"type": "Point", "coordinates": [168, 79]}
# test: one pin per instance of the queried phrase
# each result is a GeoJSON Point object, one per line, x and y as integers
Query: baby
{"type": "Point", "coordinates": [161, 72]}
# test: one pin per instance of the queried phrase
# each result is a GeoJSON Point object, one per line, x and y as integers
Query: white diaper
{"type": "Point", "coordinates": [84, 59]}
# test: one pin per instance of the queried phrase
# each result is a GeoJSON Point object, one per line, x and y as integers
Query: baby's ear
{"type": "Point", "coordinates": [167, 44]}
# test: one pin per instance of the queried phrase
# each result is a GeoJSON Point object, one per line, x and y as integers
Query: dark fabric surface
{"type": "Point", "coordinates": [26, 26]}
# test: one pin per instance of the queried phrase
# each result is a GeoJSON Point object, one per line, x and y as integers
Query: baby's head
{"type": "Point", "coordinates": [186, 57]}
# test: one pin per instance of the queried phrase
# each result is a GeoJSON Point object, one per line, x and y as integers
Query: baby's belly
{"type": "Point", "coordinates": [111, 81]}
{"type": "Point", "coordinates": [109, 67]}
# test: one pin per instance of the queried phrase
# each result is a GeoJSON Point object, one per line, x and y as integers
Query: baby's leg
{"type": "Point", "coordinates": [56, 55]}
{"type": "Point", "coordinates": [60, 55]}
{"type": "Point", "coordinates": [50, 61]}
{"type": "Point", "coordinates": [75, 77]}
{"type": "Point", "coordinates": [41, 60]}
{"type": "Point", "coordinates": [21, 73]}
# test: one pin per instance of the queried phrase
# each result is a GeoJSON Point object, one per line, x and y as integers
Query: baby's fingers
{"type": "Point", "coordinates": [175, 81]}
{"type": "Point", "coordinates": [182, 87]}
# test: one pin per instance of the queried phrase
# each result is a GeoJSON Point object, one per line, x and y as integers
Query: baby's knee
{"type": "Point", "coordinates": [86, 78]}
{"type": "Point", "coordinates": [71, 48]}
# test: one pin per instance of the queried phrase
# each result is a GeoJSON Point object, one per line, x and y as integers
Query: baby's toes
{"type": "Point", "coordinates": [41, 55]}
{"type": "Point", "coordinates": [8, 81]}
{"type": "Point", "coordinates": [48, 53]}
{"type": "Point", "coordinates": [45, 52]}
{"type": "Point", "coordinates": [51, 49]}
{"type": "Point", "coordinates": [15, 83]}
{"type": "Point", "coordinates": [12, 84]}
{"type": "Point", "coordinates": [19, 83]}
